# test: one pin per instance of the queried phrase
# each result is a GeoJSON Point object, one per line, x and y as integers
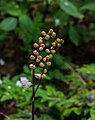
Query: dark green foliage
{"type": "Point", "coordinates": [28, 25]}
{"type": "Point", "coordinates": [79, 99]}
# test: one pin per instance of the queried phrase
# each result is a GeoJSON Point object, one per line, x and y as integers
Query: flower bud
{"type": "Point", "coordinates": [58, 44]}
{"type": "Point", "coordinates": [35, 52]}
{"type": "Point", "coordinates": [58, 39]}
{"type": "Point", "coordinates": [32, 66]}
{"type": "Point", "coordinates": [43, 33]}
{"type": "Point", "coordinates": [42, 45]}
{"type": "Point", "coordinates": [35, 45]}
{"type": "Point", "coordinates": [47, 37]}
{"type": "Point", "coordinates": [62, 41]}
{"type": "Point", "coordinates": [40, 39]}
{"type": "Point", "coordinates": [43, 75]}
{"type": "Point", "coordinates": [32, 57]}
{"type": "Point", "coordinates": [47, 50]}
{"type": "Point", "coordinates": [40, 48]}
{"type": "Point", "coordinates": [48, 63]}
{"type": "Point", "coordinates": [50, 31]}
{"type": "Point", "coordinates": [50, 56]}
{"type": "Point", "coordinates": [54, 44]}
{"type": "Point", "coordinates": [38, 76]}
{"type": "Point", "coordinates": [42, 64]}
{"type": "Point", "coordinates": [47, 57]}
{"type": "Point", "coordinates": [44, 59]}
{"type": "Point", "coordinates": [53, 51]}
{"type": "Point", "coordinates": [51, 47]}
{"type": "Point", "coordinates": [45, 70]}
{"type": "Point", "coordinates": [37, 60]}
{"type": "Point", "coordinates": [53, 34]}
{"type": "Point", "coordinates": [39, 57]}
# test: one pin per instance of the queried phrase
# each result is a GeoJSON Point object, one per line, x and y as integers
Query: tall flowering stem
{"type": "Point", "coordinates": [33, 91]}
{"type": "Point", "coordinates": [43, 60]}
{"type": "Point", "coordinates": [33, 95]}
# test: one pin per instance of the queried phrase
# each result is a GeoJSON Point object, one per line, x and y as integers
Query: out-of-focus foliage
{"type": "Point", "coordinates": [28, 18]}
{"type": "Point", "coordinates": [68, 92]}
{"type": "Point", "coordinates": [79, 99]}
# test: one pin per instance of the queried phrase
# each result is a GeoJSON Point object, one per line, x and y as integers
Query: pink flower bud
{"type": "Point", "coordinates": [38, 76]}
{"type": "Point", "coordinates": [43, 75]}
{"type": "Point", "coordinates": [35, 45]}
{"type": "Point", "coordinates": [35, 52]}
{"type": "Point", "coordinates": [32, 57]}
{"type": "Point", "coordinates": [42, 45]}
{"type": "Point", "coordinates": [40, 48]}
{"type": "Point", "coordinates": [40, 39]}
{"type": "Point", "coordinates": [39, 57]}
{"type": "Point", "coordinates": [43, 33]}
{"type": "Point", "coordinates": [32, 66]}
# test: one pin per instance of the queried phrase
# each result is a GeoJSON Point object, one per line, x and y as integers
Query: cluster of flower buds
{"type": "Point", "coordinates": [43, 61]}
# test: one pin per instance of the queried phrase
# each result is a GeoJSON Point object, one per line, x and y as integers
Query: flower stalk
{"type": "Point", "coordinates": [33, 91]}
{"type": "Point", "coordinates": [43, 61]}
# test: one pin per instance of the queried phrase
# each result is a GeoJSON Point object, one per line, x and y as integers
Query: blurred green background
{"type": "Point", "coordinates": [68, 91]}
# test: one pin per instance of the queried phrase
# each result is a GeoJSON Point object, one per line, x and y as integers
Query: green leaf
{"type": "Point", "coordinates": [67, 112]}
{"type": "Point", "coordinates": [13, 9]}
{"type": "Point", "coordinates": [6, 97]}
{"type": "Point", "coordinates": [45, 117]}
{"type": "Point", "coordinates": [89, 6]}
{"type": "Point", "coordinates": [26, 69]}
{"type": "Point", "coordinates": [25, 23]}
{"type": "Point", "coordinates": [76, 110]}
{"type": "Point", "coordinates": [61, 17]}
{"type": "Point", "coordinates": [88, 69]}
{"type": "Point", "coordinates": [70, 8]}
{"type": "Point", "coordinates": [74, 36]}
{"type": "Point", "coordinates": [56, 74]}
{"type": "Point", "coordinates": [8, 24]}
{"type": "Point", "coordinates": [92, 113]}
{"type": "Point", "coordinates": [41, 93]}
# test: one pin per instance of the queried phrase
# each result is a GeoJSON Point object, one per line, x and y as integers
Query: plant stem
{"type": "Point", "coordinates": [3, 114]}
{"type": "Point", "coordinates": [37, 86]}
{"type": "Point", "coordinates": [35, 90]}
{"type": "Point", "coordinates": [33, 99]}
